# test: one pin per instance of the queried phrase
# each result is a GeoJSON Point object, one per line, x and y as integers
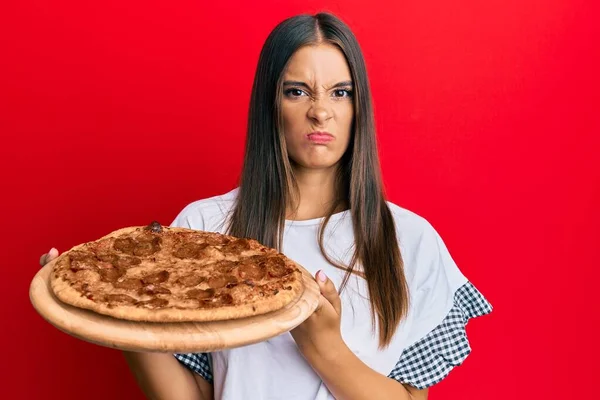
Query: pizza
{"type": "Point", "coordinates": [156, 273]}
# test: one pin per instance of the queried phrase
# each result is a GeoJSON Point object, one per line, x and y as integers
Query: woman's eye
{"type": "Point", "coordinates": [343, 93]}
{"type": "Point", "coordinates": [294, 92]}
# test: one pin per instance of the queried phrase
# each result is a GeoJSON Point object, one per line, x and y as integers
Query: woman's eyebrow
{"type": "Point", "coordinates": [305, 85]}
{"type": "Point", "coordinates": [342, 84]}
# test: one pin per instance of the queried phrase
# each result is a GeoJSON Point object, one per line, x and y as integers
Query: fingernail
{"type": "Point", "coordinates": [53, 251]}
{"type": "Point", "coordinates": [321, 275]}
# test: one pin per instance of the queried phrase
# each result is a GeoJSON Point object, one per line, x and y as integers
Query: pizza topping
{"type": "Point", "coordinates": [148, 236]}
{"type": "Point", "coordinates": [154, 227]}
{"type": "Point", "coordinates": [144, 246]}
{"type": "Point", "coordinates": [190, 280]}
{"type": "Point", "coordinates": [152, 289]}
{"type": "Point", "coordinates": [252, 271]}
{"type": "Point", "coordinates": [80, 260]}
{"type": "Point", "coordinates": [130, 284]}
{"type": "Point", "coordinates": [125, 245]}
{"type": "Point", "coordinates": [103, 246]}
{"type": "Point", "coordinates": [217, 282]}
{"type": "Point", "coordinates": [104, 265]}
{"type": "Point", "coordinates": [216, 240]}
{"type": "Point", "coordinates": [143, 249]}
{"type": "Point", "coordinates": [147, 246]}
{"type": "Point", "coordinates": [78, 265]}
{"type": "Point", "coordinates": [276, 267]}
{"type": "Point", "coordinates": [153, 303]}
{"type": "Point", "coordinates": [190, 250]}
{"type": "Point", "coordinates": [107, 257]}
{"type": "Point", "coordinates": [78, 255]}
{"type": "Point", "coordinates": [111, 274]}
{"type": "Point", "coordinates": [126, 261]}
{"type": "Point", "coordinates": [224, 266]}
{"type": "Point", "coordinates": [158, 277]}
{"type": "Point", "coordinates": [221, 300]}
{"type": "Point", "coordinates": [85, 291]}
{"type": "Point", "coordinates": [226, 299]}
{"type": "Point", "coordinates": [200, 294]}
{"type": "Point", "coordinates": [237, 246]}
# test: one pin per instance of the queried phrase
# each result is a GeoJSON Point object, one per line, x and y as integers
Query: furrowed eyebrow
{"type": "Point", "coordinates": [343, 84]}
{"type": "Point", "coordinates": [305, 85]}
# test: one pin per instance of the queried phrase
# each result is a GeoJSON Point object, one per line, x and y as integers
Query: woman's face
{"type": "Point", "coordinates": [317, 106]}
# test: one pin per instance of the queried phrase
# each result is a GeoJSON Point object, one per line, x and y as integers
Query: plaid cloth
{"type": "Point", "coordinates": [431, 359]}
{"type": "Point", "coordinates": [197, 362]}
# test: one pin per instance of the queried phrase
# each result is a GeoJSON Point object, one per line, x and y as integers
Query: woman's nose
{"type": "Point", "coordinates": [319, 111]}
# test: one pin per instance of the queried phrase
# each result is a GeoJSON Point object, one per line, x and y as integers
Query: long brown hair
{"type": "Point", "coordinates": [267, 181]}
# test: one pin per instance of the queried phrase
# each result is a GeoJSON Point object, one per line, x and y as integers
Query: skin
{"type": "Point", "coordinates": [317, 96]}
{"type": "Point", "coordinates": [315, 104]}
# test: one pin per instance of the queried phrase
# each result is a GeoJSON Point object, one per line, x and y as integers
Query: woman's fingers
{"type": "Point", "coordinates": [329, 292]}
{"type": "Point", "coordinates": [49, 256]}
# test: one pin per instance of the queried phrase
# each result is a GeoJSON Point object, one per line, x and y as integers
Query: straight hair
{"type": "Point", "coordinates": [267, 184]}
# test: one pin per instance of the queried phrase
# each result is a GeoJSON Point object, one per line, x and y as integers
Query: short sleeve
{"type": "Point", "coordinates": [442, 303]}
{"type": "Point", "coordinates": [190, 217]}
{"type": "Point", "coordinates": [199, 363]}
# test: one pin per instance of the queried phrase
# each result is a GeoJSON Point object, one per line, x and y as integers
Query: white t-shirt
{"type": "Point", "coordinates": [423, 349]}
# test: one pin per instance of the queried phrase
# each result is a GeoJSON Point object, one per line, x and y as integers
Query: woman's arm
{"type": "Point", "coordinates": [348, 378]}
{"type": "Point", "coordinates": [320, 341]}
{"type": "Point", "coordinates": [162, 377]}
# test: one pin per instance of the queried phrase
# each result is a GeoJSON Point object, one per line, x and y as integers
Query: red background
{"type": "Point", "coordinates": [117, 113]}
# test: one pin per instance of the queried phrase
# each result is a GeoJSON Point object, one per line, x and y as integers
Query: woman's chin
{"type": "Point", "coordinates": [318, 165]}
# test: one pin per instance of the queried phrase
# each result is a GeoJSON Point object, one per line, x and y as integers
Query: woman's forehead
{"type": "Point", "coordinates": [322, 65]}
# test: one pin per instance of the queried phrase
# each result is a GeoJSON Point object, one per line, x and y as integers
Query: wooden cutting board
{"type": "Point", "coordinates": [168, 337]}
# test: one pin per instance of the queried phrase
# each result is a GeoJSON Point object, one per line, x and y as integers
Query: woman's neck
{"type": "Point", "coordinates": [317, 192]}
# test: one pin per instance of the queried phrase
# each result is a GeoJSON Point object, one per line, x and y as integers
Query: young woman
{"type": "Point", "coordinates": [311, 187]}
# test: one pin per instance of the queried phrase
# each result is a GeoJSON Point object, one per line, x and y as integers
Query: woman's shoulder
{"type": "Point", "coordinates": [423, 250]}
{"type": "Point", "coordinates": [208, 213]}
{"type": "Point", "coordinates": [410, 226]}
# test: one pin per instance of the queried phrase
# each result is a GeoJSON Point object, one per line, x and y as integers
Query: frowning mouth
{"type": "Point", "coordinates": [320, 137]}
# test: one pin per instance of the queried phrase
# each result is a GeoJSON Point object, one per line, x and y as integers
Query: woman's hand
{"type": "Point", "coordinates": [320, 334]}
{"type": "Point", "coordinates": [345, 375]}
{"type": "Point", "coordinates": [49, 256]}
